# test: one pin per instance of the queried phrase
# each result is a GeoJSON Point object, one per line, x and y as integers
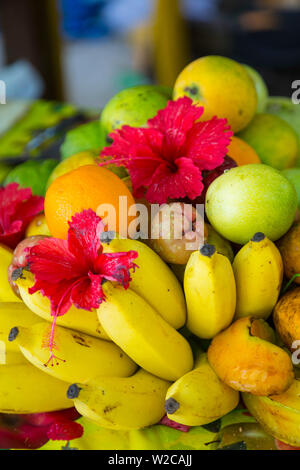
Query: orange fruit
{"type": "Point", "coordinates": [71, 163]}
{"type": "Point", "coordinates": [222, 86]}
{"type": "Point", "coordinates": [86, 187]}
{"type": "Point", "coordinates": [241, 152]}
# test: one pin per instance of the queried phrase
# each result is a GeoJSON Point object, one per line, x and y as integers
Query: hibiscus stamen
{"type": "Point", "coordinates": [49, 343]}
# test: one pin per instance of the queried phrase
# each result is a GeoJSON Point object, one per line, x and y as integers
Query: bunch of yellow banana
{"type": "Point", "coordinates": [199, 397]}
{"type": "Point", "coordinates": [133, 324]}
{"type": "Point", "coordinates": [25, 389]}
{"type": "Point", "coordinates": [75, 319]}
{"type": "Point", "coordinates": [210, 292]}
{"type": "Point", "coordinates": [81, 357]}
{"type": "Point", "coordinates": [121, 403]}
{"type": "Point", "coordinates": [153, 280]}
{"type": "Point", "coordinates": [279, 415]}
{"type": "Point", "coordinates": [11, 314]}
{"type": "Point", "coordinates": [258, 271]}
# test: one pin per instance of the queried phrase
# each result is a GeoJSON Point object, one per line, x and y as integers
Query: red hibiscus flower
{"type": "Point", "coordinates": [17, 208]}
{"type": "Point", "coordinates": [71, 272]}
{"type": "Point", "coordinates": [32, 431]}
{"type": "Point", "coordinates": [165, 160]}
{"type": "Point", "coordinates": [173, 424]}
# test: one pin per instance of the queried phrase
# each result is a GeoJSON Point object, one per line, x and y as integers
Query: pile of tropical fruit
{"type": "Point", "coordinates": [197, 332]}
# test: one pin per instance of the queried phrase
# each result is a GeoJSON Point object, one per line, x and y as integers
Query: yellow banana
{"type": "Point", "coordinates": [80, 357]}
{"type": "Point", "coordinates": [8, 358]}
{"type": "Point", "coordinates": [25, 389]}
{"type": "Point", "coordinates": [258, 271]}
{"type": "Point", "coordinates": [210, 292]}
{"type": "Point", "coordinates": [75, 319]}
{"type": "Point", "coordinates": [122, 403]}
{"type": "Point", "coordinates": [153, 280]}
{"type": "Point", "coordinates": [11, 314]}
{"type": "Point", "coordinates": [199, 397]}
{"type": "Point", "coordinates": [143, 334]}
{"type": "Point", "coordinates": [279, 415]}
{"type": "Point", "coordinates": [6, 292]}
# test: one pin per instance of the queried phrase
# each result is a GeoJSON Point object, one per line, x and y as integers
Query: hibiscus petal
{"type": "Point", "coordinates": [13, 235]}
{"type": "Point", "coordinates": [173, 424]}
{"type": "Point", "coordinates": [65, 431]}
{"type": "Point", "coordinates": [84, 236]}
{"type": "Point", "coordinates": [17, 208]}
{"type": "Point", "coordinates": [174, 122]}
{"type": "Point", "coordinates": [117, 266]}
{"type": "Point", "coordinates": [141, 173]}
{"type": "Point", "coordinates": [59, 295]}
{"type": "Point", "coordinates": [51, 261]}
{"type": "Point", "coordinates": [166, 184]}
{"type": "Point", "coordinates": [88, 294]}
{"type": "Point", "coordinates": [130, 143]}
{"type": "Point", "coordinates": [207, 143]}
{"type": "Point", "coordinates": [10, 196]}
{"type": "Point", "coordinates": [28, 209]}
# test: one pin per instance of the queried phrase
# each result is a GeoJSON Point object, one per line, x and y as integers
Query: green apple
{"type": "Point", "coordinates": [293, 175]}
{"type": "Point", "coordinates": [274, 140]}
{"type": "Point", "coordinates": [250, 199]}
{"type": "Point", "coordinates": [134, 106]}
{"type": "Point", "coordinates": [261, 88]}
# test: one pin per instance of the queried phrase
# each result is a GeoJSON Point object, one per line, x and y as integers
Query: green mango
{"type": "Point", "coordinates": [261, 88]}
{"type": "Point", "coordinates": [32, 174]}
{"type": "Point", "coordinates": [86, 137]}
{"type": "Point", "coordinates": [284, 108]}
{"type": "Point", "coordinates": [134, 106]}
{"type": "Point", "coordinates": [293, 175]}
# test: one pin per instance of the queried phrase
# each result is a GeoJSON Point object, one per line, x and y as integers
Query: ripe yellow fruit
{"type": "Point", "coordinates": [222, 86]}
{"type": "Point", "coordinates": [6, 292]}
{"type": "Point", "coordinates": [38, 226]}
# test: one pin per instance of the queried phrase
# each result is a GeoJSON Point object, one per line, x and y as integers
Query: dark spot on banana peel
{"type": "Point", "coordinates": [171, 406]}
{"type": "Point", "coordinates": [13, 333]}
{"type": "Point", "coordinates": [79, 340]}
{"type": "Point", "coordinates": [108, 409]}
{"type": "Point", "coordinates": [73, 391]}
{"type": "Point", "coordinates": [208, 250]}
{"type": "Point", "coordinates": [258, 237]}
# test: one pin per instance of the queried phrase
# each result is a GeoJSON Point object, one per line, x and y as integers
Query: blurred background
{"type": "Point", "coordinates": [84, 51]}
